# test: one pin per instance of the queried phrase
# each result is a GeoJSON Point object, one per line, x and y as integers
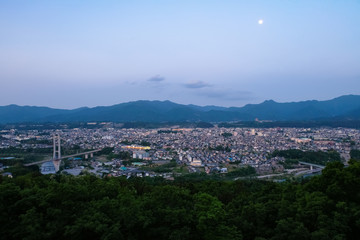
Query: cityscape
{"type": "Point", "coordinates": [195, 150]}
{"type": "Point", "coordinates": [180, 120]}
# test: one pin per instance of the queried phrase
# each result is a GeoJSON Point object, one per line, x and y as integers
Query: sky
{"type": "Point", "coordinates": [72, 53]}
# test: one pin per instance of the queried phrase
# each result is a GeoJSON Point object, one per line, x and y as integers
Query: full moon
{"type": "Point", "coordinates": [260, 21]}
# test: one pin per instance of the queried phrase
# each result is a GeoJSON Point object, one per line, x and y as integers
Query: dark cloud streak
{"type": "Point", "coordinates": [156, 78]}
{"type": "Point", "coordinates": [198, 84]}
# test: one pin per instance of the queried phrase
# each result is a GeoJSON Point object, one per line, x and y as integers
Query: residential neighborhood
{"type": "Point", "coordinates": [208, 150]}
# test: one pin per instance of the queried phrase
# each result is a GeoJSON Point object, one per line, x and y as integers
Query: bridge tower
{"type": "Point", "coordinates": [56, 147]}
{"type": "Point", "coordinates": [56, 152]}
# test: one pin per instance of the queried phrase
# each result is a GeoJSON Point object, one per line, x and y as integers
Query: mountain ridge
{"type": "Point", "coordinates": [346, 107]}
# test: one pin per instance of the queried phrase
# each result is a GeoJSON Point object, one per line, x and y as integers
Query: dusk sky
{"type": "Point", "coordinates": [69, 53]}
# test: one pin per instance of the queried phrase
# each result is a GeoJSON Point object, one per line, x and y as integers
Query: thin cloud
{"type": "Point", "coordinates": [198, 84]}
{"type": "Point", "coordinates": [131, 83]}
{"type": "Point", "coordinates": [156, 78]}
{"type": "Point", "coordinates": [228, 94]}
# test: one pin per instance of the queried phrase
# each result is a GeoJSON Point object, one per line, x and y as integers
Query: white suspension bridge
{"type": "Point", "coordinates": [57, 154]}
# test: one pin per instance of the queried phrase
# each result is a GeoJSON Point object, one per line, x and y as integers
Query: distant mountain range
{"type": "Point", "coordinates": [341, 108]}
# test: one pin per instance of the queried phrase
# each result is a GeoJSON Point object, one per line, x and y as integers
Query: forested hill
{"type": "Point", "coordinates": [86, 207]}
{"type": "Point", "coordinates": [341, 108]}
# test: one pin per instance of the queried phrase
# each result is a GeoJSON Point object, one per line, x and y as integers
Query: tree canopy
{"type": "Point", "coordinates": [327, 206]}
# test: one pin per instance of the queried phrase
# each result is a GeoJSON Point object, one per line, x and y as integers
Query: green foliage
{"type": "Point", "coordinates": [290, 163]}
{"type": "Point", "coordinates": [20, 170]}
{"type": "Point", "coordinates": [15, 150]}
{"type": "Point", "coordinates": [319, 157]}
{"type": "Point", "coordinates": [355, 154]}
{"type": "Point", "coordinates": [145, 143]}
{"type": "Point", "coordinates": [106, 151]}
{"type": "Point", "coordinates": [86, 207]}
{"type": "Point", "coordinates": [36, 141]}
{"type": "Point", "coordinates": [226, 134]}
{"type": "Point", "coordinates": [21, 158]}
{"type": "Point", "coordinates": [221, 148]}
{"type": "Point", "coordinates": [167, 167]}
{"type": "Point", "coordinates": [242, 172]}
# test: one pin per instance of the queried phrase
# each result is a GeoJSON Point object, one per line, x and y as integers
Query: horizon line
{"type": "Point", "coordinates": [143, 100]}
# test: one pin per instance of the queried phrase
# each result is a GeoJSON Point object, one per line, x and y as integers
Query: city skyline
{"type": "Point", "coordinates": [66, 54]}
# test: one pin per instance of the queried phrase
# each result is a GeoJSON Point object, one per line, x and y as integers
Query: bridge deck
{"type": "Point", "coordinates": [63, 157]}
{"type": "Point", "coordinates": [312, 164]}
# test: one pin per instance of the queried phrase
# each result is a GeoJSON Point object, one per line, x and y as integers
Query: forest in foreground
{"type": "Point", "coordinates": [86, 207]}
